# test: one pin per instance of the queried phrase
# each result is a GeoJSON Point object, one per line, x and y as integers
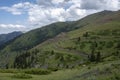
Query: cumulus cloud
{"type": "Point", "coordinates": [11, 26]}
{"type": "Point", "coordinates": [55, 10]}
{"type": "Point", "coordinates": [5, 28]}
{"type": "Point", "coordinates": [39, 15]}
{"type": "Point", "coordinates": [101, 4]}
{"type": "Point", "coordinates": [18, 9]}
{"type": "Point", "coordinates": [48, 11]}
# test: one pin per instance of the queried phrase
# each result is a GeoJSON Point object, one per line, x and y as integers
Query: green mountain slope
{"type": "Point", "coordinates": [96, 33]}
{"type": "Point", "coordinates": [4, 38]}
{"type": "Point", "coordinates": [31, 39]}
{"type": "Point", "coordinates": [99, 37]}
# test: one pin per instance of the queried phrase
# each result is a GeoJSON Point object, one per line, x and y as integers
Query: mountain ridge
{"type": "Point", "coordinates": [9, 36]}
{"type": "Point", "coordinates": [33, 38]}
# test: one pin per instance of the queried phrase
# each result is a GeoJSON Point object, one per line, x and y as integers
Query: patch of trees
{"type": "Point", "coordinates": [86, 34]}
{"type": "Point", "coordinates": [94, 57]}
{"type": "Point", "coordinates": [26, 59]}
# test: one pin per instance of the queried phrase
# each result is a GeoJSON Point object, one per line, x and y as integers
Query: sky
{"type": "Point", "coordinates": [24, 15]}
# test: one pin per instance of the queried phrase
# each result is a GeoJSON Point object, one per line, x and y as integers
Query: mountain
{"type": "Point", "coordinates": [65, 44]}
{"type": "Point", "coordinates": [8, 37]}
{"type": "Point", "coordinates": [94, 36]}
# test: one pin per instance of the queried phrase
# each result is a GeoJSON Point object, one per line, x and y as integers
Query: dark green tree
{"type": "Point", "coordinates": [79, 39]}
{"type": "Point", "coordinates": [92, 56]}
{"type": "Point", "coordinates": [95, 43]}
{"type": "Point", "coordinates": [85, 34]}
{"type": "Point", "coordinates": [98, 57]}
{"type": "Point", "coordinates": [52, 52]}
{"type": "Point", "coordinates": [7, 66]}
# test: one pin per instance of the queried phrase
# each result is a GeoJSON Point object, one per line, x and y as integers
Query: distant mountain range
{"type": "Point", "coordinates": [8, 37]}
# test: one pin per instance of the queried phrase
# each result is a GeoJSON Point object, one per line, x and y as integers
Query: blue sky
{"type": "Point", "coordinates": [24, 15]}
{"type": "Point", "coordinates": [7, 18]}
{"type": "Point", "coordinates": [12, 2]}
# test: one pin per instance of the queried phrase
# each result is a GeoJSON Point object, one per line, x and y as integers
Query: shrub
{"type": "Point", "coordinates": [115, 77]}
{"type": "Point", "coordinates": [86, 34]}
{"type": "Point", "coordinates": [53, 68]}
{"type": "Point", "coordinates": [89, 67]}
{"type": "Point", "coordinates": [82, 45]}
{"type": "Point", "coordinates": [37, 71]}
{"type": "Point", "coordinates": [22, 76]}
{"type": "Point", "coordinates": [109, 44]}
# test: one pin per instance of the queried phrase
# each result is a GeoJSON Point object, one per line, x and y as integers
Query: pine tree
{"type": "Point", "coordinates": [85, 34]}
{"type": "Point", "coordinates": [92, 56]}
{"type": "Point", "coordinates": [52, 52]}
{"type": "Point", "coordinates": [98, 57]}
{"type": "Point", "coordinates": [7, 66]}
{"type": "Point", "coordinates": [96, 45]}
{"type": "Point", "coordinates": [79, 39]}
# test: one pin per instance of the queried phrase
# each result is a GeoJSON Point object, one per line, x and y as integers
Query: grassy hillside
{"type": "Point", "coordinates": [96, 33]}
{"type": "Point", "coordinates": [86, 49]}
{"type": "Point", "coordinates": [31, 39]}
{"type": "Point", "coordinates": [94, 38]}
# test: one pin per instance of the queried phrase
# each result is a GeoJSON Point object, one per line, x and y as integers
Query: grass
{"type": "Point", "coordinates": [108, 70]}
{"type": "Point", "coordinates": [10, 71]}
{"type": "Point", "coordinates": [27, 71]}
{"type": "Point", "coordinates": [69, 45]}
{"type": "Point", "coordinates": [37, 71]}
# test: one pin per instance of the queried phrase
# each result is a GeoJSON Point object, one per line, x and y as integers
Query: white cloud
{"type": "Point", "coordinates": [57, 1]}
{"type": "Point", "coordinates": [115, 5]}
{"type": "Point", "coordinates": [6, 28]}
{"type": "Point", "coordinates": [18, 9]}
{"type": "Point", "coordinates": [46, 12]}
{"type": "Point", "coordinates": [14, 11]}
{"type": "Point", "coordinates": [39, 15]}
{"type": "Point", "coordinates": [49, 11]}
{"type": "Point", "coordinates": [11, 26]}
{"type": "Point", "coordinates": [101, 4]}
